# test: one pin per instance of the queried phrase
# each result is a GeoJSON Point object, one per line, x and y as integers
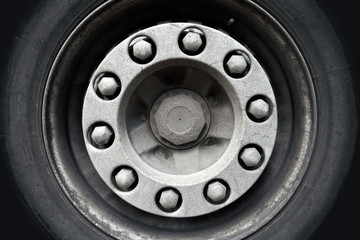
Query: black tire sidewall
{"type": "Point", "coordinates": [337, 123]}
{"type": "Point", "coordinates": [34, 48]}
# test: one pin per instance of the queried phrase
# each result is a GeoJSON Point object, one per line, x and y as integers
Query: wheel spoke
{"type": "Point", "coordinates": [142, 134]}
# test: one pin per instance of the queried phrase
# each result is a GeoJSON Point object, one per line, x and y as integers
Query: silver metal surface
{"type": "Point", "coordinates": [101, 135]}
{"type": "Point", "coordinates": [108, 86]}
{"type": "Point", "coordinates": [97, 210]}
{"type": "Point", "coordinates": [216, 156]}
{"type": "Point", "coordinates": [192, 41]}
{"type": "Point", "coordinates": [169, 200]}
{"type": "Point", "coordinates": [259, 109]}
{"type": "Point", "coordinates": [141, 49]}
{"type": "Point", "coordinates": [179, 118]}
{"type": "Point", "coordinates": [125, 179]}
{"type": "Point", "coordinates": [251, 157]}
{"type": "Point", "coordinates": [216, 192]}
{"type": "Point", "coordinates": [236, 64]}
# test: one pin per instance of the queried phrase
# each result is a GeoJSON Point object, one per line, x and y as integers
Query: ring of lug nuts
{"type": "Point", "coordinates": [180, 118]}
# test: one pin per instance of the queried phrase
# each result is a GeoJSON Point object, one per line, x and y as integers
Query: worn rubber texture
{"type": "Point", "coordinates": [339, 223]}
{"type": "Point", "coordinates": [39, 30]}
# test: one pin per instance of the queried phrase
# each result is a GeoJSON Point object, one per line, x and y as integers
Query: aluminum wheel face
{"type": "Point", "coordinates": [85, 46]}
{"type": "Point", "coordinates": [185, 117]}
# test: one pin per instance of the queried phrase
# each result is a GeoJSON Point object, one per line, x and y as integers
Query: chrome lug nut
{"type": "Point", "coordinates": [192, 41]}
{"type": "Point", "coordinates": [126, 179]}
{"type": "Point", "coordinates": [259, 109]}
{"type": "Point", "coordinates": [217, 192]}
{"type": "Point", "coordinates": [236, 64]}
{"type": "Point", "coordinates": [169, 200]}
{"type": "Point", "coordinates": [102, 136]}
{"type": "Point", "coordinates": [108, 87]}
{"type": "Point", "coordinates": [142, 50]}
{"type": "Point", "coordinates": [250, 157]}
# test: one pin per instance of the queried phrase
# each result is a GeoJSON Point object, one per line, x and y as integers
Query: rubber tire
{"type": "Point", "coordinates": [41, 32]}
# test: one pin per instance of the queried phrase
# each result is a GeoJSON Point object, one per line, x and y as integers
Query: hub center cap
{"type": "Point", "coordinates": [179, 119]}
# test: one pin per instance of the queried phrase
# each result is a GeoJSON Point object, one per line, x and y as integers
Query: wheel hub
{"type": "Point", "coordinates": [189, 117]}
{"type": "Point", "coordinates": [180, 118]}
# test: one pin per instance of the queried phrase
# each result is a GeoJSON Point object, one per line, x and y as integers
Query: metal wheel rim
{"type": "Point", "coordinates": [240, 130]}
{"type": "Point", "coordinates": [66, 174]}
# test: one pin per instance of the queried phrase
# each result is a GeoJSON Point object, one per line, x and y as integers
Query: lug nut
{"type": "Point", "coordinates": [250, 157]}
{"type": "Point", "coordinates": [109, 87]}
{"type": "Point", "coordinates": [259, 109]}
{"type": "Point", "coordinates": [142, 50]}
{"type": "Point", "coordinates": [102, 136]}
{"type": "Point", "coordinates": [192, 41]}
{"type": "Point", "coordinates": [169, 200]}
{"type": "Point", "coordinates": [236, 64]}
{"type": "Point", "coordinates": [217, 192]}
{"type": "Point", "coordinates": [126, 179]}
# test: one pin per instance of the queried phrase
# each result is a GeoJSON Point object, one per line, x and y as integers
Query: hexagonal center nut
{"type": "Point", "coordinates": [180, 119]}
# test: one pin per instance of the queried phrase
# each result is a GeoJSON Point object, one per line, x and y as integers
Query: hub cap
{"type": "Point", "coordinates": [179, 119]}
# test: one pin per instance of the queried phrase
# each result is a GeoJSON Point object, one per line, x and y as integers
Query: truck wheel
{"type": "Point", "coordinates": [177, 119]}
